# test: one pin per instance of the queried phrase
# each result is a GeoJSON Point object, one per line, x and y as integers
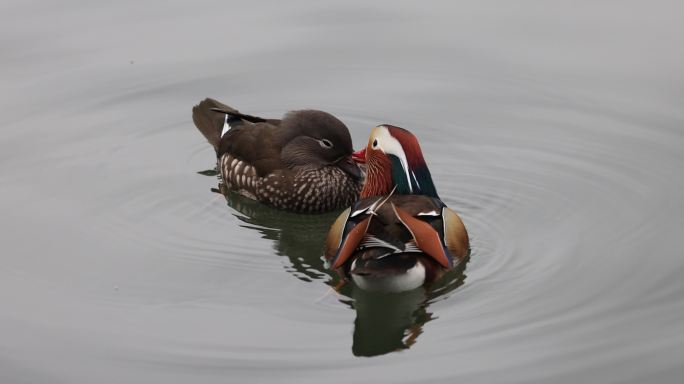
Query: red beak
{"type": "Point", "coordinates": [359, 156]}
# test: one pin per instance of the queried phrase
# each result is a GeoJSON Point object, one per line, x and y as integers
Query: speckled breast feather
{"type": "Point", "coordinates": [305, 190]}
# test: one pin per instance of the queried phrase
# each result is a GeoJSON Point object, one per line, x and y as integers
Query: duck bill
{"type": "Point", "coordinates": [348, 165]}
{"type": "Point", "coordinates": [359, 156]}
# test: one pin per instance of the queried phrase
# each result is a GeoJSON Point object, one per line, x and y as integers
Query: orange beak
{"type": "Point", "coordinates": [359, 156]}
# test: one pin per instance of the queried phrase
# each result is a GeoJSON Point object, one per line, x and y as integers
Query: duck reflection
{"type": "Point", "coordinates": [298, 236]}
{"type": "Point", "coordinates": [385, 322]}
{"type": "Point", "coordinates": [389, 322]}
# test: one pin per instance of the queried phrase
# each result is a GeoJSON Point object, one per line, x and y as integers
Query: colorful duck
{"type": "Point", "coordinates": [300, 163]}
{"type": "Point", "coordinates": [399, 235]}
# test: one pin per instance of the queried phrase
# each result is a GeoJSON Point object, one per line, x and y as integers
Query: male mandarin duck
{"type": "Point", "coordinates": [302, 163]}
{"type": "Point", "coordinates": [399, 235]}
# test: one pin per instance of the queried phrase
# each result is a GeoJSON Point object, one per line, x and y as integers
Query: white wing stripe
{"type": "Point", "coordinates": [431, 213]}
{"type": "Point", "coordinates": [226, 126]}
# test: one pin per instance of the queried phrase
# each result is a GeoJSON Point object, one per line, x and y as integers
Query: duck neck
{"type": "Point", "coordinates": [384, 174]}
{"type": "Point", "coordinates": [378, 178]}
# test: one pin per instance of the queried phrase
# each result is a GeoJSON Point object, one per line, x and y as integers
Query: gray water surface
{"type": "Point", "coordinates": [555, 129]}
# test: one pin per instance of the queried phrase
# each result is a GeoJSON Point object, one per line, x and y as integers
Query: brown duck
{"type": "Point", "coordinates": [400, 235]}
{"type": "Point", "coordinates": [300, 163]}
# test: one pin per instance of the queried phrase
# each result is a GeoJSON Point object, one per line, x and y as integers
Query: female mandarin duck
{"type": "Point", "coordinates": [302, 163]}
{"type": "Point", "coordinates": [400, 235]}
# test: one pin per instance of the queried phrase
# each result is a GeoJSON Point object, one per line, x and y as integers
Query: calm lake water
{"type": "Point", "coordinates": [556, 130]}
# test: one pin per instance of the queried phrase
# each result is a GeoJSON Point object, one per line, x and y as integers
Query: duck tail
{"type": "Point", "coordinates": [209, 117]}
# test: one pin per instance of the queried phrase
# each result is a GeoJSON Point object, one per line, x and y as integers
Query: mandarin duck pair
{"type": "Point", "coordinates": [395, 233]}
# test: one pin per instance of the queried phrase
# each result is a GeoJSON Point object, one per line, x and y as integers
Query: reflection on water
{"type": "Point", "coordinates": [388, 322]}
{"type": "Point", "coordinates": [385, 322]}
{"type": "Point", "coordinates": [299, 237]}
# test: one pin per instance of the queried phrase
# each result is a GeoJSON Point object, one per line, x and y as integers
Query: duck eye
{"type": "Point", "coordinates": [325, 143]}
{"type": "Point", "coordinates": [375, 143]}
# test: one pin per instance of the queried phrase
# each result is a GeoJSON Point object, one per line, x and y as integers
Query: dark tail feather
{"type": "Point", "coordinates": [209, 117]}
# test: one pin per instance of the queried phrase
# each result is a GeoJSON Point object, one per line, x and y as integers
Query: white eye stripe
{"type": "Point", "coordinates": [325, 143]}
{"type": "Point", "coordinates": [392, 146]}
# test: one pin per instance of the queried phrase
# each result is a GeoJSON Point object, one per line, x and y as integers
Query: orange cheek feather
{"type": "Point", "coordinates": [378, 174]}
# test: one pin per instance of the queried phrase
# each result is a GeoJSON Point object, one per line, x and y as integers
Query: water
{"type": "Point", "coordinates": [553, 128]}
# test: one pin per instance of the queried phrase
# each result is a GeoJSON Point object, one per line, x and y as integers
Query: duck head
{"type": "Point", "coordinates": [317, 139]}
{"type": "Point", "coordinates": [393, 158]}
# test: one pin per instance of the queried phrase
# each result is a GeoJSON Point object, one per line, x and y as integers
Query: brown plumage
{"type": "Point", "coordinates": [300, 163]}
